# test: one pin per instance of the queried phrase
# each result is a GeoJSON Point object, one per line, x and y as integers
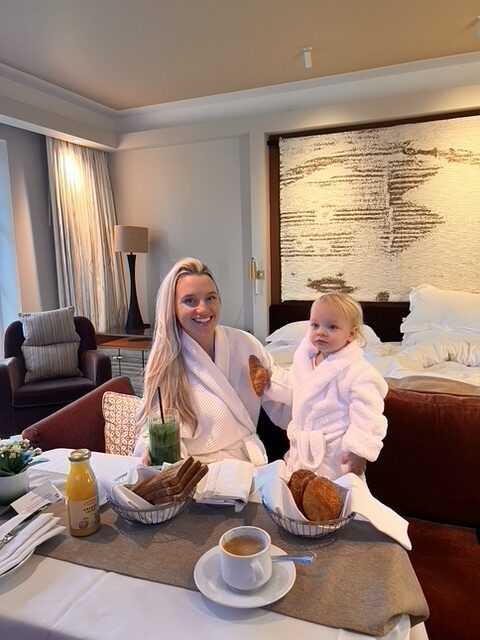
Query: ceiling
{"type": "Point", "coordinates": [134, 53]}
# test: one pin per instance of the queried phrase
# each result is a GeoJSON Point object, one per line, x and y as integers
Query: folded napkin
{"type": "Point", "coordinates": [42, 528]}
{"type": "Point", "coordinates": [278, 497]}
{"type": "Point", "coordinates": [122, 494]}
{"type": "Point", "coordinates": [227, 482]}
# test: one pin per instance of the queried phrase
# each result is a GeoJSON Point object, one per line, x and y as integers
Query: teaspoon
{"type": "Point", "coordinates": [307, 557]}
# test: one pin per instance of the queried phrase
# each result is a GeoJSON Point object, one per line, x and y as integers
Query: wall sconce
{"type": "Point", "coordinates": [131, 240]}
{"type": "Point", "coordinates": [254, 274]}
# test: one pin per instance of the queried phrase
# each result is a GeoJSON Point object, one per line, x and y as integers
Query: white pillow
{"type": "Point", "coordinates": [291, 332]}
{"type": "Point", "coordinates": [294, 332]}
{"type": "Point", "coordinates": [439, 336]}
{"type": "Point", "coordinates": [433, 308]}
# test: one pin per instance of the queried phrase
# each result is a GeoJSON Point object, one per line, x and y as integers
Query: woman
{"type": "Point", "coordinates": [202, 370]}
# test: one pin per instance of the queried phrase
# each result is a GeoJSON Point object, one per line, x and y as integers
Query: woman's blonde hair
{"type": "Point", "coordinates": [165, 367]}
{"type": "Point", "coordinates": [350, 309]}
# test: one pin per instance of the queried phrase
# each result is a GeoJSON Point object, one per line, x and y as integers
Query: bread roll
{"type": "Point", "coordinates": [322, 500]}
{"type": "Point", "coordinates": [297, 483]}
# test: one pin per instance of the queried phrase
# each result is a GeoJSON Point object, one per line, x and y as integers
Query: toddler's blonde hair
{"type": "Point", "coordinates": [350, 308]}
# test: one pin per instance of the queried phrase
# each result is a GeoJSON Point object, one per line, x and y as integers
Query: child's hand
{"type": "Point", "coordinates": [355, 464]}
{"type": "Point", "coordinates": [259, 375]}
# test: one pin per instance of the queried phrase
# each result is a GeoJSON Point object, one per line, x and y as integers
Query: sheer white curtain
{"type": "Point", "coordinates": [9, 289]}
{"type": "Point", "coordinates": [89, 273]}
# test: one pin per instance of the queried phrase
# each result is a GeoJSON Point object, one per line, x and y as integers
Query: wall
{"type": "Point", "coordinates": [214, 179]}
{"type": "Point", "coordinates": [191, 199]}
{"type": "Point", "coordinates": [33, 234]}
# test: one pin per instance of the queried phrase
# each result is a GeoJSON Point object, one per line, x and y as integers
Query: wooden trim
{"type": "Point", "coordinates": [274, 194]}
{"type": "Point", "coordinates": [274, 138]}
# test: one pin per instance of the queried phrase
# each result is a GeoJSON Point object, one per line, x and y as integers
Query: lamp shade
{"type": "Point", "coordinates": [128, 239]}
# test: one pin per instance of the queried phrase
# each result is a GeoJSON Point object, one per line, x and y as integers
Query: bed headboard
{"type": "Point", "coordinates": [384, 317]}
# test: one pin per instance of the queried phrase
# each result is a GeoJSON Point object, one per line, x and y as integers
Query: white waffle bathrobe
{"type": "Point", "coordinates": [226, 406]}
{"type": "Point", "coordinates": [337, 408]}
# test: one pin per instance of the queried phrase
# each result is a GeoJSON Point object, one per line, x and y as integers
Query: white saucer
{"type": "Point", "coordinates": [209, 582]}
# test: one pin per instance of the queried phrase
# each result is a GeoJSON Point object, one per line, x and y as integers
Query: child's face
{"type": "Point", "coordinates": [329, 330]}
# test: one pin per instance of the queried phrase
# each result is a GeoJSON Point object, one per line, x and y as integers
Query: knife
{"type": "Point", "coordinates": [21, 525]}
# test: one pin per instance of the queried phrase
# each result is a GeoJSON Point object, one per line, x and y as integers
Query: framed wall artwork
{"type": "Point", "coordinates": [374, 210]}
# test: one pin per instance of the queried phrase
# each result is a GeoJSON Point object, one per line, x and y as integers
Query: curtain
{"type": "Point", "coordinates": [89, 272]}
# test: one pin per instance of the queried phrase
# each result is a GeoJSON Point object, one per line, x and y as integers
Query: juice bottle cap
{"type": "Point", "coordinates": [79, 455]}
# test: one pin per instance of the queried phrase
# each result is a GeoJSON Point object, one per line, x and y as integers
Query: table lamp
{"type": "Point", "coordinates": [131, 240]}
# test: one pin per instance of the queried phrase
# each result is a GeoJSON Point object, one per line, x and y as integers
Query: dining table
{"type": "Point", "coordinates": [77, 588]}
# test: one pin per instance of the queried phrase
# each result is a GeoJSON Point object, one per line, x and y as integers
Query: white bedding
{"type": "Point", "coordinates": [441, 342]}
{"type": "Point", "coordinates": [456, 361]}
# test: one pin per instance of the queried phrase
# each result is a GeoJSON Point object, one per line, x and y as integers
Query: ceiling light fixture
{"type": "Point", "coordinates": [307, 57]}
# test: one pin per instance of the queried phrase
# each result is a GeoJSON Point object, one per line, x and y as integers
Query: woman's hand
{"type": "Point", "coordinates": [354, 463]}
{"type": "Point", "coordinates": [146, 457]}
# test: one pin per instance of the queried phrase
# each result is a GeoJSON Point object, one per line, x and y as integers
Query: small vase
{"type": "Point", "coordinates": [12, 487]}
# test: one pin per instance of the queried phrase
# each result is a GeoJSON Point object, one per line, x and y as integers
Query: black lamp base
{"type": "Point", "coordinates": [134, 322]}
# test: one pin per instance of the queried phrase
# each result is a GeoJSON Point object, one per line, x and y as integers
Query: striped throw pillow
{"type": "Point", "coordinates": [51, 345]}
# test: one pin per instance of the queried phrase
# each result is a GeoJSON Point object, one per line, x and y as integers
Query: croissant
{"type": "Point", "coordinates": [259, 375]}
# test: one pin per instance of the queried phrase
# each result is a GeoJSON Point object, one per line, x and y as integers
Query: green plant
{"type": "Point", "coordinates": [16, 455]}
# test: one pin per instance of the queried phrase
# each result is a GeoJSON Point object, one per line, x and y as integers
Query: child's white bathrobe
{"type": "Point", "coordinates": [337, 408]}
{"type": "Point", "coordinates": [225, 403]}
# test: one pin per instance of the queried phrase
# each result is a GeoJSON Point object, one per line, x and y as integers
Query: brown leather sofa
{"type": "Point", "coordinates": [78, 425]}
{"type": "Point", "coordinates": [429, 472]}
{"type": "Point", "coordinates": [23, 404]}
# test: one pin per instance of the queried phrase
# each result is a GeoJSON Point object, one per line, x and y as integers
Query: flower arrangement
{"type": "Point", "coordinates": [16, 455]}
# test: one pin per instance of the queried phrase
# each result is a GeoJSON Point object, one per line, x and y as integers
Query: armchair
{"type": "Point", "coordinates": [22, 404]}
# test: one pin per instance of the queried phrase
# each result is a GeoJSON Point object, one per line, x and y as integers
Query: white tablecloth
{"type": "Point", "coordinates": [55, 600]}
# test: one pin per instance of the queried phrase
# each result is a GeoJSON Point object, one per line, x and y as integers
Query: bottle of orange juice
{"type": "Point", "coordinates": [81, 495]}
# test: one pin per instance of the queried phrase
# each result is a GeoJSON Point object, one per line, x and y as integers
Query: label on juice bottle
{"type": "Point", "coordinates": [84, 515]}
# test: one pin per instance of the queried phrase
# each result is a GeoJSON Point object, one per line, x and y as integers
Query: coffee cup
{"type": "Point", "coordinates": [245, 558]}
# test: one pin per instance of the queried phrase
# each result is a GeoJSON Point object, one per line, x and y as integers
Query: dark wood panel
{"type": "Point", "coordinates": [384, 317]}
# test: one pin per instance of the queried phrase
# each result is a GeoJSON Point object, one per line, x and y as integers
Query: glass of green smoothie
{"type": "Point", "coordinates": [164, 436]}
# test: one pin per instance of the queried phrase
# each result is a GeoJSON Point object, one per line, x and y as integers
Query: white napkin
{"type": "Point", "coordinates": [227, 482]}
{"type": "Point", "coordinates": [360, 500]}
{"type": "Point", "coordinates": [122, 494]}
{"type": "Point", "coordinates": [278, 497]}
{"type": "Point", "coordinates": [42, 528]}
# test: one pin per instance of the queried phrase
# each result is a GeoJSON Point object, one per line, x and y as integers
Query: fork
{"type": "Point", "coordinates": [21, 525]}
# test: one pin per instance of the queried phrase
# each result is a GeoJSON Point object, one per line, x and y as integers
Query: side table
{"type": "Point", "coordinates": [128, 342]}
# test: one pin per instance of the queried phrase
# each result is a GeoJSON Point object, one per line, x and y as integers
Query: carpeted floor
{"type": "Point", "coordinates": [130, 364]}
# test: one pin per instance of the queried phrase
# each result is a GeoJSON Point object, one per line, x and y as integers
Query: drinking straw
{"type": "Point", "coordinates": [160, 404]}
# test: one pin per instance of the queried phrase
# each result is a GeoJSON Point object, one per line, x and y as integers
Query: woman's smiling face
{"type": "Point", "coordinates": [197, 306]}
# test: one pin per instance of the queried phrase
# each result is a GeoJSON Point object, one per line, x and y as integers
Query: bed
{"type": "Point", "coordinates": [430, 342]}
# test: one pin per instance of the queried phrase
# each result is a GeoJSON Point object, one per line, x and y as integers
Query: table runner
{"type": "Point", "coordinates": [361, 580]}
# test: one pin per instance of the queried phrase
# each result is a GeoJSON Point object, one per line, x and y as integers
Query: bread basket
{"type": "Point", "coordinates": [154, 515]}
{"type": "Point", "coordinates": [307, 529]}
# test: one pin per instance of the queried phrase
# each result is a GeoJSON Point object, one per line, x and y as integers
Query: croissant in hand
{"type": "Point", "coordinates": [259, 375]}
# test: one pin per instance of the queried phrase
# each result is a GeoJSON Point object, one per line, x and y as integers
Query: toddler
{"type": "Point", "coordinates": [338, 422]}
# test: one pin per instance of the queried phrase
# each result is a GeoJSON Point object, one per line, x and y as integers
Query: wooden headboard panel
{"type": "Point", "coordinates": [384, 317]}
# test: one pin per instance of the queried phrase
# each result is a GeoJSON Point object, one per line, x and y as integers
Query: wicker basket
{"type": "Point", "coordinates": [155, 515]}
{"type": "Point", "coordinates": [308, 529]}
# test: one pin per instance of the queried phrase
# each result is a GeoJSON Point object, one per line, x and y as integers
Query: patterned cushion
{"type": "Point", "coordinates": [120, 411]}
{"type": "Point", "coordinates": [51, 344]}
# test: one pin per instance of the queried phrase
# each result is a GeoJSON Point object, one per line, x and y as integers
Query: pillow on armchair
{"type": "Point", "coordinates": [120, 413]}
{"type": "Point", "coordinates": [51, 344]}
